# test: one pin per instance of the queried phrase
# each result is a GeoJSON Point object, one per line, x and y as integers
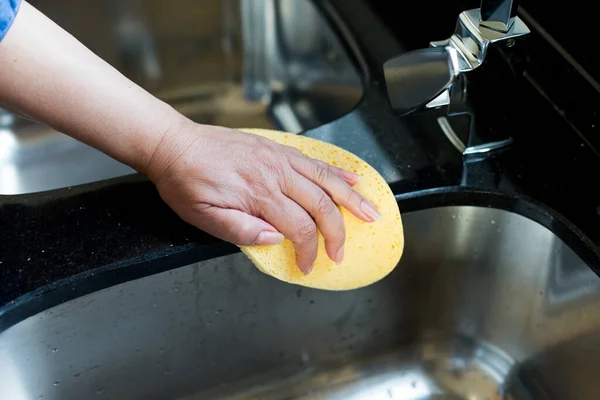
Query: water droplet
{"type": "Point", "coordinates": [167, 372]}
{"type": "Point", "coordinates": [493, 222]}
{"type": "Point", "coordinates": [155, 305]}
{"type": "Point", "coordinates": [161, 350]}
{"type": "Point", "coordinates": [40, 396]}
{"type": "Point", "coordinates": [99, 391]}
{"type": "Point", "coordinates": [453, 216]}
{"type": "Point", "coordinates": [55, 350]}
{"type": "Point", "coordinates": [56, 383]}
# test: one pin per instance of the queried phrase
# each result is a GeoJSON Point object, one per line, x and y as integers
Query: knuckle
{"type": "Point", "coordinates": [339, 236]}
{"type": "Point", "coordinates": [265, 157]}
{"type": "Point", "coordinates": [306, 230]}
{"type": "Point", "coordinates": [321, 174]}
{"type": "Point", "coordinates": [262, 189]}
{"type": "Point", "coordinates": [325, 206]}
{"type": "Point", "coordinates": [294, 152]}
{"type": "Point", "coordinates": [260, 141]}
{"type": "Point", "coordinates": [272, 160]}
{"type": "Point", "coordinates": [243, 232]}
{"type": "Point", "coordinates": [353, 197]}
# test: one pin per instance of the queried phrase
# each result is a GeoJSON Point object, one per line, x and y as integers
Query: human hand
{"type": "Point", "coordinates": [239, 187]}
{"type": "Point", "coordinates": [249, 190]}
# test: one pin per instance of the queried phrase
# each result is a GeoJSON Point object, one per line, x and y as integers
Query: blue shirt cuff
{"type": "Point", "coordinates": [8, 12]}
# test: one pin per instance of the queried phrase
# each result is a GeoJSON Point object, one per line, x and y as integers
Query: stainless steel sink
{"type": "Point", "coordinates": [236, 63]}
{"type": "Point", "coordinates": [484, 305]}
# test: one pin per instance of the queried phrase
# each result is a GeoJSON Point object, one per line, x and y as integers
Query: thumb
{"type": "Point", "coordinates": [236, 227]}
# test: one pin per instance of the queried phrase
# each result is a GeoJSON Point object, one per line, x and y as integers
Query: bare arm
{"type": "Point", "coordinates": [48, 75]}
{"type": "Point", "coordinates": [236, 186]}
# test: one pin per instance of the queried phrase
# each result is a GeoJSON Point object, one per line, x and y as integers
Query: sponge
{"type": "Point", "coordinates": [372, 249]}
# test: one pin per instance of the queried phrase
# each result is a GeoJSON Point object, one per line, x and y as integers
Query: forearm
{"type": "Point", "coordinates": [48, 75]}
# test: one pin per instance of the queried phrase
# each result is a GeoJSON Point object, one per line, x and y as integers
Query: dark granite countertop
{"type": "Point", "coordinates": [62, 244]}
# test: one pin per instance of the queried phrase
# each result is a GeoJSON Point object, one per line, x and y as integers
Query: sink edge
{"type": "Point", "coordinates": [59, 291]}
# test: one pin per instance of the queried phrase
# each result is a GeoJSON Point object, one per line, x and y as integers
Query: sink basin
{"type": "Point", "coordinates": [232, 63]}
{"type": "Point", "coordinates": [484, 305]}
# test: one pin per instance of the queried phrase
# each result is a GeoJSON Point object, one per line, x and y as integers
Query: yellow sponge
{"type": "Point", "coordinates": [372, 249]}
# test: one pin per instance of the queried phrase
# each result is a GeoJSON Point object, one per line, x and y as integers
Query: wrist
{"type": "Point", "coordinates": [166, 146]}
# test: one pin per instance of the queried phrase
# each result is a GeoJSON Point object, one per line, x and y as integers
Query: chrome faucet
{"type": "Point", "coordinates": [434, 77]}
{"type": "Point", "coordinates": [498, 15]}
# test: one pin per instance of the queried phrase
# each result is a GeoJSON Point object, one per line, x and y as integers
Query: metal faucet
{"type": "Point", "coordinates": [498, 15]}
{"type": "Point", "coordinates": [434, 77]}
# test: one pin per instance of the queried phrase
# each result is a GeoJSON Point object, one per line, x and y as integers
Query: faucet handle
{"type": "Point", "coordinates": [498, 15]}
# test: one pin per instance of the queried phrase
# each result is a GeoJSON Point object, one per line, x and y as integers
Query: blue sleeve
{"type": "Point", "coordinates": [8, 11]}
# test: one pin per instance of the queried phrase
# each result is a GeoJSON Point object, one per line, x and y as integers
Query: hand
{"type": "Point", "coordinates": [249, 190]}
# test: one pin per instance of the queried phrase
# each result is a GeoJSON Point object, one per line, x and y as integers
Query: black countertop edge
{"type": "Point", "coordinates": [116, 273]}
{"type": "Point", "coordinates": [109, 275]}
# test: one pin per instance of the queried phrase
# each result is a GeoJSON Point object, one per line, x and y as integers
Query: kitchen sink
{"type": "Point", "coordinates": [485, 304]}
{"type": "Point", "coordinates": [235, 63]}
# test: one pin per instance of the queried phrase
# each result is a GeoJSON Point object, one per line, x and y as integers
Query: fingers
{"type": "Point", "coordinates": [235, 226]}
{"type": "Point", "coordinates": [348, 177]}
{"type": "Point", "coordinates": [324, 212]}
{"type": "Point", "coordinates": [325, 177]}
{"type": "Point", "coordinates": [297, 226]}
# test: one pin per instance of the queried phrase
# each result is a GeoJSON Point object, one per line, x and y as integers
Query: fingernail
{"type": "Point", "coordinates": [305, 269]}
{"type": "Point", "coordinates": [339, 257]}
{"type": "Point", "coordinates": [308, 270]}
{"type": "Point", "coordinates": [370, 211]}
{"type": "Point", "coordinates": [351, 177]}
{"type": "Point", "coordinates": [269, 238]}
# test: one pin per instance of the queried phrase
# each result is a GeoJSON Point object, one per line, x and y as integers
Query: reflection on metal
{"type": "Point", "coordinates": [442, 100]}
{"type": "Point", "coordinates": [450, 134]}
{"type": "Point", "coordinates": [478, 150]}
{"type": "Point", "coordinates": [499, 15]}
{"type": "Point", "coordinates": [487, 147]}
{"type": "Point", "coordinates": [484, 304]}
{"type": "Point", "coordinates": [236, 63]}
{"type": "Point", "coordinates": [418, 77]}
{"type": "Point", "coordinates": [434, 77]}
{"type": "Point", "coordinates": [289, 50]}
